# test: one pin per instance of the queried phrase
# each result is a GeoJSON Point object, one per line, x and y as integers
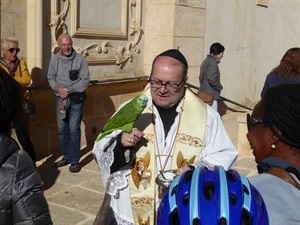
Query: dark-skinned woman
{"type": "Point", "coordinates": [274, 136]}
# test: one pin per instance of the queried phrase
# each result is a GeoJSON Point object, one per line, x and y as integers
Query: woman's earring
{"type": "Point", "coordinates": [273, 146]}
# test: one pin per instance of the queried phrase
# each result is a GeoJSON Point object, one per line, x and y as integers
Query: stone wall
{"type": "Point", "coordinates": [255, 39]}
{"type": "Point", "coordinates": [175, 24]}
{"type": "Point", "coordinates": [13, 14]}
{"type": "Point", "coordinates": [102, 101]}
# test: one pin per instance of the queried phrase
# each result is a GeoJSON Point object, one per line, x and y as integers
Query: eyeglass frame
{"type": "Point", "coordinates": [12, 50]}
{"type": "Point", "coordinates": [165, 83]}
{"type": "Point", "coordinates": [251, 122]}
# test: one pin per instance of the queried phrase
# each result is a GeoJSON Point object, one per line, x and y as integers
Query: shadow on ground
{"type": "Point", "coordinates": [49, 172]}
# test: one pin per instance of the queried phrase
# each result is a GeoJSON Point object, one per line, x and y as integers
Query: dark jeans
{"type": "Point", "coordinates": [22, 132]}
{"type": "Point", "coordinates": [69, 132]}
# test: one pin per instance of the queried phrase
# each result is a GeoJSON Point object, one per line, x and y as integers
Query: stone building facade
{"type": "Point", "coordinates": [120, 38]}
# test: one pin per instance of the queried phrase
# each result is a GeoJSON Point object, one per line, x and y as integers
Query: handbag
{"type": "Point", "coordinates": [222, 107]}
{"type": "Point", "coordinates": [206, 97]}
{"type": "Point", "coordinates": [78, 97]}
{"type": "Point", "coordinates": [29, 106]}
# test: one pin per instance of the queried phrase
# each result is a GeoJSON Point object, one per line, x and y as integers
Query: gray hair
{"type": "Point", "coordinates": [8, 39]}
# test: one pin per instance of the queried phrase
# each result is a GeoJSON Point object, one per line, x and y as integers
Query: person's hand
{"type": "Point", "coordinates": [63, 92]}
{"type": "Point", "coordinates": [131, 139]}
{"type": "Point", "coordinates": [182, 169]}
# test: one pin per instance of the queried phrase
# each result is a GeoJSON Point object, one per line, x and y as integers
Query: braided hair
{"type": "Point", "coordinates": [281, 112]}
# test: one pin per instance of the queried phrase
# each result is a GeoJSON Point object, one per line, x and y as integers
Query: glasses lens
{"type": "Point", "coordinates": [171, 87]}
{"type": "Point", "coordinates": [251, 122]}
{"type": "Point", "coordinates": [11, 50]}
{"type": "Point", "coordinates": [159, 84]}
{"type": "Point", "coordinates": [248, 122]}
{"type": "Point", "coordinates": [155, 84]}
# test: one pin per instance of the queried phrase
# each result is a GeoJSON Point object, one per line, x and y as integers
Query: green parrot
{"type": "Point", "coordinates": [125, 117]}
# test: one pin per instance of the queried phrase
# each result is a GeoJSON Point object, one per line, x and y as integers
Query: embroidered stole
{"type": "Point", "coordinates": [188, 145]}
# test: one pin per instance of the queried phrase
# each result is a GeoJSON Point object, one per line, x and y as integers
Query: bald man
{"type": "Point", "coordinates": [175, 132]}
{"type": "Point", "coordinates": [68, 76]}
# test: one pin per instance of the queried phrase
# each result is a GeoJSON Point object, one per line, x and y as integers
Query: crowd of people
{"type": "Point", "coordinates": [168, 140]}
{"type": "Point", "coordinates": [160, 135]}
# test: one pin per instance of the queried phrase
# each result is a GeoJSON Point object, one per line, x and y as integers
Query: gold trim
{"type": "Point", "coordinates": [142, 202]}
{"type": "Point", "coordinates": [188, 139]}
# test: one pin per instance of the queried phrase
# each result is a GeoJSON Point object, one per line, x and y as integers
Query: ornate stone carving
{"type": "Point", "coordinates": [57, 24]}
{"type": "Point", "coordinates": [121, 54]}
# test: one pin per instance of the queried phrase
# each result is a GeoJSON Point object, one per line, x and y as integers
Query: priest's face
{"type": "Point", "coordinates": [167, 81]}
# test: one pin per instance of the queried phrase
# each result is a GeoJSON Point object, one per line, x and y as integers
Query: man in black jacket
{"type": "Point", "coordinates": [22, 198]}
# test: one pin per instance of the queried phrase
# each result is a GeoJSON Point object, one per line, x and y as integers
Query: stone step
{"type": "Point", "coordinates": [235, 124]}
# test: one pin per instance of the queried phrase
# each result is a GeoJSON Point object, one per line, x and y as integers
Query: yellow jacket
{"type": "Point", "coordinates": [21, 74]}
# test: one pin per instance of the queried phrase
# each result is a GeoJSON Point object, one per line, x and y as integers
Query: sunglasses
{"type": "Point", "coordinates": [251, 122]}
{"type": "Point", "coordinates": [11, 50]}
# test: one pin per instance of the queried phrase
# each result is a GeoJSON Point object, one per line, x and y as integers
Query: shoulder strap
{"type": "Point", "coordinates": [19, 66]}
{"type": "Point", "coordinates": [283, 174]}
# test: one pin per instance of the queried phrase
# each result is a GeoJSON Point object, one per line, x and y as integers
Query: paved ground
{"type": "Point", "coordinates": [75, 198]}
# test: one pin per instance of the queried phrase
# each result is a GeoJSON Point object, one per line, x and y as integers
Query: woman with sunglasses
{"type": "Point", "coordinates": [273, 134]}
{"type": "Point", "coordinates": [17, 68]}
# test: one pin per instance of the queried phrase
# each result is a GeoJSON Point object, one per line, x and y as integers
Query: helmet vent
{"type": "Point", "coordinates": [246, 218]}
{"type": "Point", "coordinates": [174, 220]}
{"type": "Point", "coordinates": [188, 177]}
{"type": "Point", "coordinates": [223, 221]}
{"type": "Point", "coordinates": [245, 189]}
{"type": "Point", "coordinates": [186, 198]}
{"type": "Point", "coordinates": [231, 176]}
{"type": "Point", "coordinates": [233, 199]}
{"type": "Point", "coordinates": [174, 190]}
{"type": "Point", "coordinates": [209, 190]}
{"type": "Point", "coordinates": [196, 221]}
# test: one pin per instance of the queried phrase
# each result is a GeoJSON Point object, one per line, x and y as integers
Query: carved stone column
{"type": "Point", "coordinates": [34, 38]}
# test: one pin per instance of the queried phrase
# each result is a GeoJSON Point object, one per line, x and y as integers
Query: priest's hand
{"type": "Point", "coordinates": [132, 138]}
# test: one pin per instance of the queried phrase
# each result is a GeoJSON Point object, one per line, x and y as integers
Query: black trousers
{"type": "Point", "coordinates": [22, 132]}
{"type": "Point", "coordinates": [105, 214]}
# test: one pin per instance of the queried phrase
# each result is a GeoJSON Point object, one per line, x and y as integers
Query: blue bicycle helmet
{"type": "Point", "coordinates": [212, 197]}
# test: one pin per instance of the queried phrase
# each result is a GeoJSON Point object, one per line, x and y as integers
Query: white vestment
{"type": "Point", "coordinates": [217, 149]}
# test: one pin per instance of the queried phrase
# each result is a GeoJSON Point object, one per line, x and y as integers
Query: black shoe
{"type": "Point", "coordinates": [62, 163]}
{"type": "Point", "coordinates": [74, 168]}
